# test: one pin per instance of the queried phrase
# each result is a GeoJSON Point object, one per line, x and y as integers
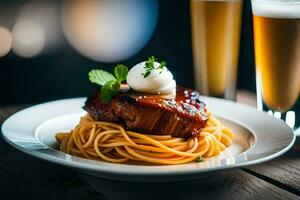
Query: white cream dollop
{"type": "Point", "coordinates": [160, 81]}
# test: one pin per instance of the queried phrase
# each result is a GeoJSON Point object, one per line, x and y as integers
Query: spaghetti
{"type": "Point", "coordinates": [110, 142]}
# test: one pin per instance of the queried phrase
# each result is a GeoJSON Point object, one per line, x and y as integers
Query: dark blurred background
{"type": "Point", "coordinates": [48, 47]}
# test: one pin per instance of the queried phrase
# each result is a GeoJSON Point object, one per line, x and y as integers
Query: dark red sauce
{"type": "Point", "coordinates": [186, 104]}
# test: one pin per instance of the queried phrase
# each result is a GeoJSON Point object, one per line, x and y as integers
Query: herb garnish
{"type": "Point", "coordinates": [150, 65]}
{"type": "Point", "coordinates": [200, 159]}
{"type": "Point", "coordinates": [110, 83]}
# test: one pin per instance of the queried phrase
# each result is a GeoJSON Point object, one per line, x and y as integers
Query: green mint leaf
{"type": "Point", "coordinates": [162, 64]}
{"type": "Point", "coordinates": [147, 74]}
{"type": "Point", "coordinates": [150, 63]}
{"type": "Point", "coordinates": [147, 65]}
{"type": "Point", "coordinates": [121, 72]}
{"type": "Point", "coordinates": [200, 159]}
{"type": "Point", "coordinates": [152, 59]}
{"type": "Point", "coordinates": [100, 77]}
{"type": "Point", "coordinates": [109, 90]}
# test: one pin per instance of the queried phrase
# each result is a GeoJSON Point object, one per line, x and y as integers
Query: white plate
{"type": "Point", "coordinates": [260, 137]}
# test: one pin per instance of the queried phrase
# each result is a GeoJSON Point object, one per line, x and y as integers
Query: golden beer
{"type": "Point", "coordinates": [277, 57]}
{"type": "Point", "coordinates": [216, 28]}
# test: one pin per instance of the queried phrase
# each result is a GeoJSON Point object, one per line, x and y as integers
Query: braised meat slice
{"type": "Point", "coordinates": [184, 116]}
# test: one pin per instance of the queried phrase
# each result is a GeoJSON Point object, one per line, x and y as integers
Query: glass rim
{"type": "Point", "coordinates": [282, 2]}
{"type": "Point", "coordinates": [281, 9]}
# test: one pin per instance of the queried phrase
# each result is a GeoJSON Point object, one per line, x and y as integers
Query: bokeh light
{"type": "Point", "coordinates": [106, 30]}
{"type": "Point", "coordinates": [5, 41]}
{"type": "Point", "coordinates": [37, 28]}
{"type": "Point", "coordinates": [29, 38]}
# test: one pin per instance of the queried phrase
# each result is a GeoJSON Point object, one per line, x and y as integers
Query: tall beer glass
{"type": "Point", "coordinates": [216, 27]}
{"type": "Point", "coordinates": [277, 57]}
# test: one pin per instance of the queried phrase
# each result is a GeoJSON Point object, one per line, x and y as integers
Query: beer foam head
{"type": "Point", "coordinates": [277, 8]}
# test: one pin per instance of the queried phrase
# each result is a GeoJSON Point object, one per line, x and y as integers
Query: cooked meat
{"type": "Point", "coordinates": [152, 114]}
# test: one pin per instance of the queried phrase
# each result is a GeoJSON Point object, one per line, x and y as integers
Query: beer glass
{"type": "Point", "coordinates": [277, 57]}
{"type": "Point", "coordinates": [216, 27]}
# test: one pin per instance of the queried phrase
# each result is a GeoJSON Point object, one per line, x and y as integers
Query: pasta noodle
{"type": "Point", "coordinates": [110, 142]}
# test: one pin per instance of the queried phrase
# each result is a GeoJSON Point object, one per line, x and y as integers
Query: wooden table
{"type": "Point", "coordinates": [22, 176]}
